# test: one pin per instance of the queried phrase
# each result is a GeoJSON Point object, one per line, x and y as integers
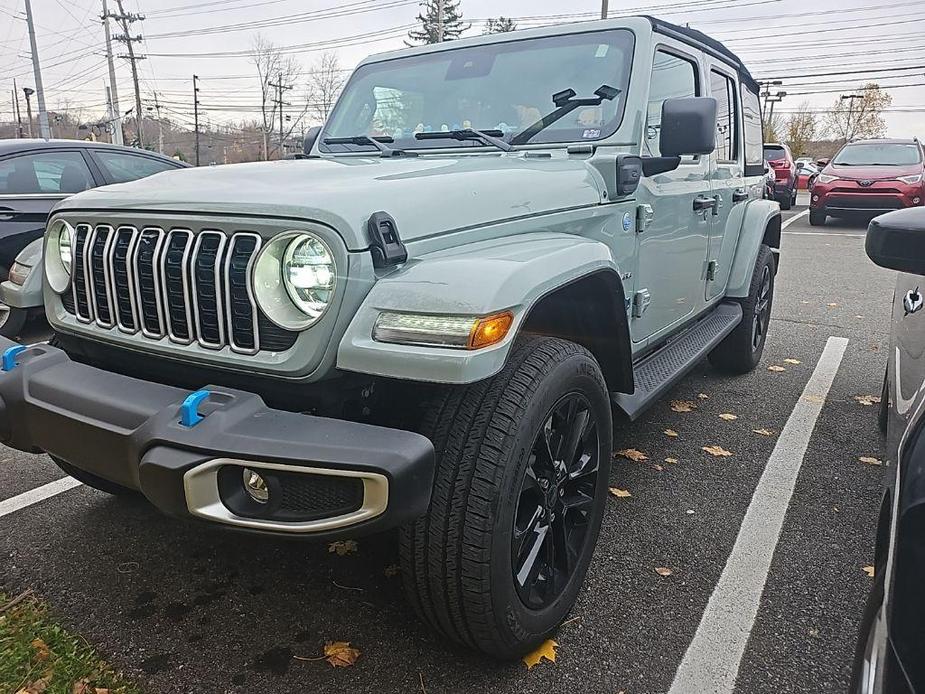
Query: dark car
{"type": "Point", "coordinates": [785, 173]}
{"type": "Point", "coordinates": [869, 177]}
{"type": "Point", "coordinates": [36, 174]}
{"type": "Point", "coordinates": [890, 656]}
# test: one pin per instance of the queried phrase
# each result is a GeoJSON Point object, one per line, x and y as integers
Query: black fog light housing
{"type": "Point", "coordinates": [255, 485]}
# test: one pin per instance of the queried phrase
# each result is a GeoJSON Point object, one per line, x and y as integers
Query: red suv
{"type": "Point", "coordinates": [785, 173]}
{"type": "Point", "coordinates": [869, 176]}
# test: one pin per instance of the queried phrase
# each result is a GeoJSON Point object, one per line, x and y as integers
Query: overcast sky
{"type": "Point", "coordinates": [788, 39]}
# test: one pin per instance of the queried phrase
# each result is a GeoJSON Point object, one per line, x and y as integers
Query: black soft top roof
{"type": "Point", "coordinates": [701, 40]}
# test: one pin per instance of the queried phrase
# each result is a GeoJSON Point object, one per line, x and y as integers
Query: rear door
{"type": "Point", "coordinates": [30, 185]}
{"type": "Point", "coordinates": [728, 178]}
{"type": "Point", "coordinates": [671, 251]}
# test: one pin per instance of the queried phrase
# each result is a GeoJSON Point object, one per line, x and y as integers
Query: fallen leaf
{"type": "Point", "coordinates": [763, 432]}
{"type": "Point", "coordinates": [792, 361]}
{"type": "Point", "coordinates": [663, 571]}
{"type": "Point", "coordinates": [703, 396]}
{"type": "Point", "coordinates": [683, 406]}
{"type": "Point", "coordinates": [658, 467]}
{"type": "Point", "coordinates": [870, 461]}
{"type": "Point", "coordinates": [82, 687]}
{"type": "Point", "coordinates": [690, 512]}
{"type": "Point", "coordinates": [391, 570]}
{"type": "Point", "coordinates": [620, 493]}
{"type": "Point", "coordinates": [36, 687]}
{"type": "Point", "coordinates": [814, 632]}
{"type": "Point", "coordinates": [776, 368]}
{"type": "Point", "coordinates": [867, 400]}
{"type": "Point", "coordinates": [717, 451]}
{"type": "Point", "coordinates": [672, 461]}
{"type": "Point", "coordinates": [832, 305]}
{"type": "Point", "coordinates": [340, 654]}
{"type": "Point", "coordinates": [869, 570]}
{"type": "Point", "coordinates": [546, 650]}
{"type": "Point", "coordinates": [804, 302]}
{"type": "Point", "coordinates": [343, 547]}
{"type": "Point", "coordinates": [818, 399]}
{"type": "Point", "coordinates": [671, 433]}
{"type": "Point", "coordinates": [728, 416]}
{"type": "Point", "coordinates": [41, 649]}
{"type": "Point", "coordinates": [632, 454]}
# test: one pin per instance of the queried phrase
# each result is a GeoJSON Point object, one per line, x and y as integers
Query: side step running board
{"type": "Point", "coordinates": [657, 372]}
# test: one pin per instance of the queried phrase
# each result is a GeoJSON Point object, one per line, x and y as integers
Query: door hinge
{"type": "Point", "coordinates": [644, 216]}
{"type": "Point", "coordinates": [641, 301]}
{"type": "Point", "coordinates": [711, 271]}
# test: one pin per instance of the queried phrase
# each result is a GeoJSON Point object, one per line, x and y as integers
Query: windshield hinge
{"type": "Point", "coordinates": [384, 242]}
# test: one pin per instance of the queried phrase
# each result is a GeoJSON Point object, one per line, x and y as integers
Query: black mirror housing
{"type": "Point", "coordinates": [896, 240]}
{"type": "Point", "coordinates": [310, 136]}
{"type": "Point", "coordinates": [688, 126]}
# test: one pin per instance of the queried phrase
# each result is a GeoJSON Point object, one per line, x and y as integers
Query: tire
{"type": "Point", "coordinates": [458, 561]}
{"type": "Point", "coordinates": [817, 218]}
{"type": "Point", "coordinates": [741, 350]}
{"type": "Point", "coordinates": [12, 320]}
{"type": "Point", "coordinates": [866, 633]}
{"type": "Point", "coordinates": [883, 414]}
{"type": "Point", "coordinates": [786, 201]}
{"type": "Point", "coordinates": [92, 480]}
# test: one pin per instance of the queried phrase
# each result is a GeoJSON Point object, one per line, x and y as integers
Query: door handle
{"type": "Point", "coordinates": [739, 195]}
{"type": "Point", "coordinates": [913, 301]}
{"type": "Point", "coordinates": [701, 203]}
{"type": "Point", "coordinates": [7, 213]}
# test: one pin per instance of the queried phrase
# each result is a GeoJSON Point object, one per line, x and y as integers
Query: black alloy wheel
{"type": "Point", "coordinates": [762, 311]}
{"type": "Point", "coordinates": [554, 505]}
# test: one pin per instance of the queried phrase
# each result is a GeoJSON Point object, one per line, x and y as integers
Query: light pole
{"type": "Point", "coordinates": [28, 91]}
{"type": "Point", "coordinates": [766, 92]}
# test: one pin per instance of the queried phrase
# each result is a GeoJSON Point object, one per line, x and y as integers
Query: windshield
{"type": "Point", "coordinates": [881, 154]}
{"type": "Point", "coordinates": [504, 87]}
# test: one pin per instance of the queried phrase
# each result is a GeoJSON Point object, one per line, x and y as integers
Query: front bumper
{"type": "Point", "coordinates": [876, 198]}
{"type": "Point", "coordinates": [326, 477]}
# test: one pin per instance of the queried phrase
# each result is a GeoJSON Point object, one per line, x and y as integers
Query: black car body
{"type": "Point", "coordinates": [891, 648]}
{"type": "Point", "coordinates": [36, 174]}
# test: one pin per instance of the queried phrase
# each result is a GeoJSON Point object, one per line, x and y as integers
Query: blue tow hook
{"type": "Point", "coordinates": [9, 356]}
{"type": "Point", "coordinates": [189, 410]}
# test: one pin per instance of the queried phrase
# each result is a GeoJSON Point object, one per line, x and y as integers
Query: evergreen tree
{"type": "Point", "coordinates": [428, 31]}
{"type": "Point", "coordinates": [499, 25]}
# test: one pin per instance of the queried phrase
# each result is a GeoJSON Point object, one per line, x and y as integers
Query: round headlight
{"type": "Point", "coordinates": [59, 255]}
{"type": "Point", "coordinates": [309, 274]}
{"type": "Point", "coordinates": [64, 247]}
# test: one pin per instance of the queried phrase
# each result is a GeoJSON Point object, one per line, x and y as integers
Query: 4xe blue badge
{"type": "Point", "coordinates": [627, 221]}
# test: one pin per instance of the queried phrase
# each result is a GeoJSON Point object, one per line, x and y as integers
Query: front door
{"type": "Point", "coordinates": [672, 249]}
{"type": "Point", "coordinates": [728, 180]}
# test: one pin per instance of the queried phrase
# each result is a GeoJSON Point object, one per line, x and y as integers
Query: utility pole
{"type": "Point", "coordinates": [29, 92]}
{"type": "Point", "coordinates": [440, 4]}
{"type": "Point", "coordinates": [115, 113]}
{"type": "Point", "coordinates": [126, 19]}
{"type": "Point", "coordinates": [850, 99]}
{"type": "Point", "coordinates": [604, 9]}
{"type": "Point", "coordinates": [160, 124]}
{"type": "Point", "coordinates": [766, 92]}
{"type": "Point", "coordinates": [39, 91]}
{"type": "Point", "coordinates": [196, 113]}
{"type": "Point", "coordinates": [114, 119]}
{"type": "Point", "coordinates": [280, 87]}
{"type": "Point", "coordinates": [18, 114]}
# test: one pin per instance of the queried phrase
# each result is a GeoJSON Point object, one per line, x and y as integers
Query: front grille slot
{"type": "Point", "coordinates": [172, 283]}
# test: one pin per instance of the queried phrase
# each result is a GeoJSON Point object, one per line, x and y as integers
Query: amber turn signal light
{"type": "Point", "coordinates": [490, 330]}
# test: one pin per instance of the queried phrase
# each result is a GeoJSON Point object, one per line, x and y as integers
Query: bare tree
{"type": "Point", "coordinates": [276, 68]}
{"type": "Point", "coordinates": [500, 25]}
{"type": "Point", "coordinates": [860, 114]}
{"type": "Point", "coordinates": [773, 127]}
{"type": "Point", "coordinates": [325, 82]}
{"type": "Point", "coordinates": [803, 128]}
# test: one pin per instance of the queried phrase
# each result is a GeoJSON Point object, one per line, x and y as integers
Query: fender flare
{"type": "Point", "coordinates": [761, 224]}
{"type": "Point", "coordinates": [478, 279]}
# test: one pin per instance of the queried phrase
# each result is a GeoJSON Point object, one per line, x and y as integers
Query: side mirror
{"type": "Point", "coordinates": [822, 162]}
{"type": "Point", "coordinates": [310, 136]}
{"type": "Point", "coordinates": [688, 126]}
{"type": "Point", "coordinates": [896, 240]}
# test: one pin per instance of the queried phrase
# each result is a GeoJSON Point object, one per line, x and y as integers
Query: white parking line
{"type": "Point", "coordinates": [830, 234]}
{"type": "Point", "coordinates": [36, 495]}
{"type": "Point", "coordinates": [791, 220]}
{"type": "Point", "coordinates": [712, 660]}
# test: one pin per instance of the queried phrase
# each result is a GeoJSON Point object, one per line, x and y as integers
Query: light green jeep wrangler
{"type": "Point", "coordinates": [427, 323]}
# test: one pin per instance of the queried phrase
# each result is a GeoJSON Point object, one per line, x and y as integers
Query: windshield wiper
{"type": "Point", "coordinates": [376, 142]}
{"type": "Point", "coordinates": [565, 102]}
{"type": "Point", "coordinates": [488, 137]}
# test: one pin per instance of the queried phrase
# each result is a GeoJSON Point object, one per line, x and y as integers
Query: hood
{"type": "Point", "coordinates": [427, 195]}
{"type": "Point", "coordinates": [872, 173]}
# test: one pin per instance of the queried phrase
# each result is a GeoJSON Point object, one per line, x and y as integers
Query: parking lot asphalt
{"type": "Point", "coordinates": [187, 608]}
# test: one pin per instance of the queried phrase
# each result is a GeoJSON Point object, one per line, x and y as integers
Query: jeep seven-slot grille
{"type": "Point", "coordinates": [172, 283]}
